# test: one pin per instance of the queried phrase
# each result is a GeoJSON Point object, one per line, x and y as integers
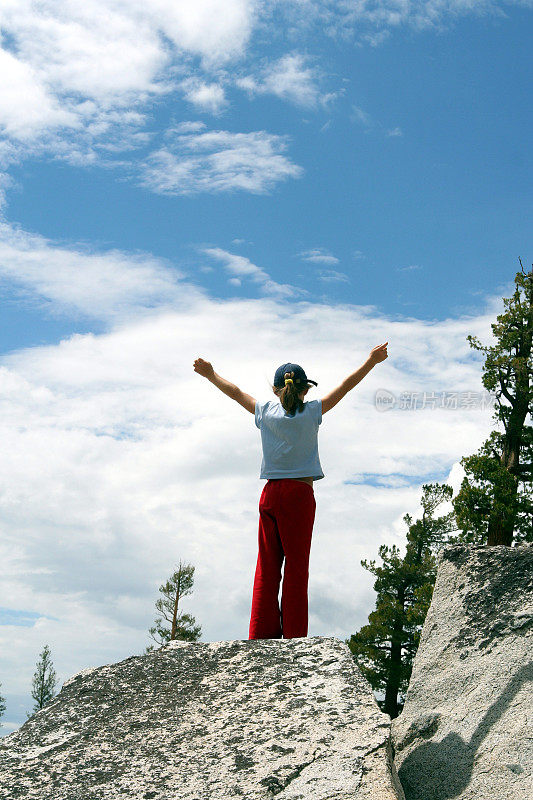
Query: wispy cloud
{"type": "Point", "coordinates": [109, 285]}
{"type": "Point", "coordinates": [319, 255]}
{"type": "Point", "coordinates": [331, 275]}
{"type": "Point", "coordinates": [240, 267]}
{"type": "Point", "coordinates": [189, 126]}
{"type": "Point", "coordinates": [291, 78]}
{"type": "Point", "coordinates": [219, 161]}
{"type": "Point", "coordinates": [369, 123]}
{"type": "Point", "coordinates": [373, 21]}
{"type": "Point", "coordinates": [362, 117]}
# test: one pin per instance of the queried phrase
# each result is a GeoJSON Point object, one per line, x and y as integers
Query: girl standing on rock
{"type": "Point", "coordinates": [289, 436]}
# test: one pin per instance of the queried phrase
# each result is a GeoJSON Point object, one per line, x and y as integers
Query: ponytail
{"type": "Point", "coordinates": [289, 395]}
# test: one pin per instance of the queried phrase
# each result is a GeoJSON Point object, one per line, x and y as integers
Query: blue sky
{"type": "Point", "coordinates": [251, 183]}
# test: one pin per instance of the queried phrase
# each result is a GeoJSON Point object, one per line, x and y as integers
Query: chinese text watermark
{"type": "Point", "coordinates": [384, 400]}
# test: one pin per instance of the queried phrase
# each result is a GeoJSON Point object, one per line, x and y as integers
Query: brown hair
{"type": "Point", "coordinates": [288, 395]}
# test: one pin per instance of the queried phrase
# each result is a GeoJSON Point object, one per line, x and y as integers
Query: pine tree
{"type": "Point", "coordinates": [385, 648]}
{"type": "Point", "coordinates": [44, 681]}
{"type": "Point", "coordinates": [181, 626]}
{"type": "Point", "coordinates": [495, 503]}
{"type": "Point", "coordinates": [2, 706]}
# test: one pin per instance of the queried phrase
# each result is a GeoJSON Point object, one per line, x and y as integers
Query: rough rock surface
{"type": "Point", "coordinates": [259, 718]}
{"type": "Point", "coordinates": [466, 727]}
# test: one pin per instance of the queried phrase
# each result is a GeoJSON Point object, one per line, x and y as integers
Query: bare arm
{"type": "Point", "coordinates": [377, 354]}
{"type": "Point", "coordinates": [205, 369]}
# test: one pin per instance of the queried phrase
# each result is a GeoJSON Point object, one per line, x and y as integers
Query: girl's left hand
{"type": "Point", "coordinates": [204, 368]}
{"type": "Point", "coordinates": [379, 353]}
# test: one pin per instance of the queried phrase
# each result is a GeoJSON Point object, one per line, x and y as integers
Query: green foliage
{"type": "Point", "coordinates": [490, 488]}
{"type": "Point", "coordinates": [508, 363]}
{"type": "Point", "coordinates": [495, 501]}
{"type": "Point", "coordinates": [181, 626]}
{"type": "Point", "coordinates": [44, 681]}
{"type": "Point", "coordinates": [385, 648]}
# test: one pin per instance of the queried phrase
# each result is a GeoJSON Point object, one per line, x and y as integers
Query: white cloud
{"type": "Point", "coordinates": [26, 107]}
{"type": "Point", "coordinates": [184, 127]}
{"type": "Point", "coordinates": [217, 30]}
{"type": "Point", "coordinates": [109, 285]}
{"type": "Point", "coordinates": [331, 275]}
{"type": "Point", "coordinates": [319, 255]}
{"type": "Point", "coordinates": [375, 38]}
{"type": "Point", "coordinates": [208, 97]}
{"type": "Point", "coordinates": [118, 460]}
{"type": "Point", "coordinates": [395, 132]}
{"type": "Point", "coordinates": [6, 182]}
{"type": "Point", "coordinates": [219, 161]}
{"type": "Point", "coordinates": [289, 78]}
{"type": "Point", "coordinates": [243, 268]}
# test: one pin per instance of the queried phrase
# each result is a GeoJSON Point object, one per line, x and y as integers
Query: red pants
{"type": "Point", "coordinates": [286, 517]}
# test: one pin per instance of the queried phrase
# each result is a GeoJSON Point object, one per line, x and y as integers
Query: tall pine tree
{"type": "Point", "coordinates": [181, 626]}
{"type": "Point", "coordinates": [495, 503]}
{"type": "Point", "coordinates": [385, 648]}
{"type": "Point", "coordinates": [44, 681]}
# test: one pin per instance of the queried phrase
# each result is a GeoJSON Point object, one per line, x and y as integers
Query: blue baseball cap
{"type": "Point", "coordinates": [300, 378]}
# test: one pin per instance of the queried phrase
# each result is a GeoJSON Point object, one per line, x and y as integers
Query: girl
{"type": "Point", "coordinates": [289, 436]}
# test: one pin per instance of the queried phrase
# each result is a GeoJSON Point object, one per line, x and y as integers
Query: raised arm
{"type": "Point", "coordinates": [377, 354]}
{"type": "Point", "coordinates": [205, 369]}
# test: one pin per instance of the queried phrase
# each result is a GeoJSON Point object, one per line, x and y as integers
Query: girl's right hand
{"type": "Point", "coordinates": [204, 368]}
{"type": "Point", "coordinates": [379, 353]}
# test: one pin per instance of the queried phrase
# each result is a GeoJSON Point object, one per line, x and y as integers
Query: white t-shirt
{"type": "Point", "coordinates": [290, 443]}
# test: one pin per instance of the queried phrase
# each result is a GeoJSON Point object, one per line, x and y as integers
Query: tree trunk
{"type": "Point", "coordinates": [175, 615]}
{"type": "Point", "coordinates": [393, 680]}
{"type": "Point", "coordinates": [501, 525]}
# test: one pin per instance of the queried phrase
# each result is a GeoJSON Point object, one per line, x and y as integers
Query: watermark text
{"type": "Point", "coordinates": [384, 400]}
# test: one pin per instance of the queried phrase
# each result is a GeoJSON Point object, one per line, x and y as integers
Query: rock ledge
{"type": "Point", "coordinates": [246, 718]}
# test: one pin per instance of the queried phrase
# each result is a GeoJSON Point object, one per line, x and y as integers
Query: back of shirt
{"type": "Point", "coordinates": [290, 443]}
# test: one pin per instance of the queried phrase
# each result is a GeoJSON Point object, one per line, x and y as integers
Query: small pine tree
{"type": "Point", "coordinates": [181, 625]}
{"type": "Point", "coordinates": [44, 681]}
{"type": "Point", "coordinates": [385, 648]}
{"type": "Point", "coordinates": [2, 706]}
